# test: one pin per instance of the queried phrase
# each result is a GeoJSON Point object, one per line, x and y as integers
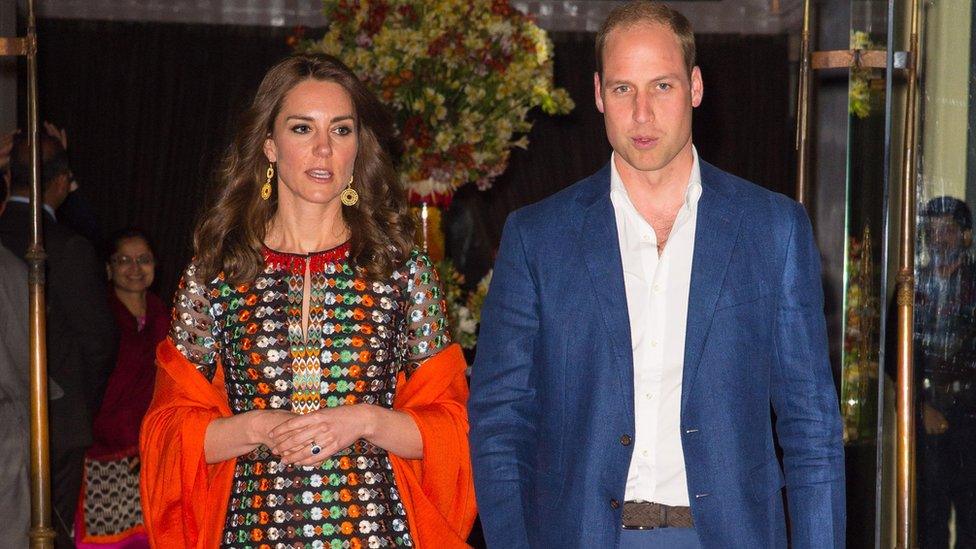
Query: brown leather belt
{"type": "Point", "coordinates": [644, 515]}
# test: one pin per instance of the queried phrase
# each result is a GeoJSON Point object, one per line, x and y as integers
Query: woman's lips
{"type": "Point", "coordinates": [319, 175]}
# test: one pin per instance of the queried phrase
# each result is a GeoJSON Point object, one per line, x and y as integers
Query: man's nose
{"type": "Point", "coordinates": [643, 108]}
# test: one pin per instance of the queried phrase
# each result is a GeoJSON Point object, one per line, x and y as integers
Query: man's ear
{"type": "Point", "coordinates": [697, 87]}
{"type": "Point", "coordinates": [598, 91]}
{"type": "Point", "coordinates": [967, 238]}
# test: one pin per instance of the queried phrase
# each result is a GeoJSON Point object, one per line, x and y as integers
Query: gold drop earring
{"type": "Point", "coordinates": [349, 196]}
{"type": "Point", "coordinates": [266, 188]}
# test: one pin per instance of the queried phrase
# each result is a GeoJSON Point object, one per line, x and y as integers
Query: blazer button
{"type": "Point", "coordinates": [614, 504]}
{"type": "Point", "coordinates": [625, 440]}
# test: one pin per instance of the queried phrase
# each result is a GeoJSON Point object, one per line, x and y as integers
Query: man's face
{"type": "Point", "coordinates": [646, 95]}
{"type": "Point", "coordinates": [945, 238]}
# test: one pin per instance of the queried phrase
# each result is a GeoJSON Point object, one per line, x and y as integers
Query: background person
{"type": "Point", "coordinates": [109, 510]}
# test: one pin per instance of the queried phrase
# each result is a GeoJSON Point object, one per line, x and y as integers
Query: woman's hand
{"type": "Point", "coordinates": [332, 429]}
{"type": "Point", "coordinates": [231, 437]}
{"type": "Point", "coordinates": [263, 422]}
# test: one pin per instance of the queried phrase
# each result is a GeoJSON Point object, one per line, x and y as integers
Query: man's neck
{"type": "Point", "coordinates": [23, 199]}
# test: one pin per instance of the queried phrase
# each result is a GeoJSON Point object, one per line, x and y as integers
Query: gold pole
{"type": "Point", "coordinates": [803, 110]}
{"type": "Point", "coordinates": [905, 536]}
{"type": "Point", "coordinates": [41, 533]}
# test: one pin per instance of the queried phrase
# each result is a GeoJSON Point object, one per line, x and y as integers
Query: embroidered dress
{"type": "Point", "coordinates": [360, 335]}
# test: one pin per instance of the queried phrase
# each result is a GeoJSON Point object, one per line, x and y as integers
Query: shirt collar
{"type": "Point", "coordinates": [693, 191]}
{"type": "Point", "coordinates": [25, 200]}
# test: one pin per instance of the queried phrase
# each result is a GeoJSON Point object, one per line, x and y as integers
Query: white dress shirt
{"type": "Point", "coordinates": [657, 304]}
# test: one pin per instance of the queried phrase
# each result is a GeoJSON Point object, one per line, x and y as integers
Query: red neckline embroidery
{"type": "Point", "coordinates": [296, 262]}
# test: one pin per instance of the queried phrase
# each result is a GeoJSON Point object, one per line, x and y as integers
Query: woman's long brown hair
{"type": "Point", "coordinates": [230, 236]}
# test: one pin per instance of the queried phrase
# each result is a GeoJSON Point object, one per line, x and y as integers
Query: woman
{"type": "Point", "coordinates": [109, 512]}
{"type": "Point", "coordinates": [308, 394]}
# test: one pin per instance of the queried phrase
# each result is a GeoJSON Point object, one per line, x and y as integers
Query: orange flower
{"type": "Point", "coordinates": [263, 516]}
{"type": "Point", "coordinates": [358, 314]}
{"type": "Point", "coordinates": [344, 462]}
{"type": "Point", "coordinates": [256, 535]}
{"type": "Point", "coordinates": [346, 527]}
{"type": "Point", "coordinates": [367, 300]}
{"type": "Point", "coordinates": [364, 356]}
{"type": "Point", "coordinates": [356, 341]}
{"type": "Point", "coordinates": [252, 373]}
{"type": "Point", "coordinates": [246, 344]}
{"type": "Point", "coordinates": [354, 370]}
{"type": "Point", "coordinates": [255, 360]}
{"type": "Point", "coordinates": [252, 328]}
{"type": "Point", "coordinates": [352, 479]}
{"type": "Point", "coordinates": [251, 300]}
{"type": "Point", "coordinates": [354, 511]}
{"type": "Point", "coordinates": [345, 495]}
{"type": "Point", "coordinates": [263, 388]}
{"type": "Point", "coordinates": [260, 403]}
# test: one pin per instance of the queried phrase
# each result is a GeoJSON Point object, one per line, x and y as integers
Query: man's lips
{"type": "Point", "coordinates": [643, 142]}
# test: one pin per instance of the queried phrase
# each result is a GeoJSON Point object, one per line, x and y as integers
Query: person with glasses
{"type": "Point", "coordinates": [109, 510]}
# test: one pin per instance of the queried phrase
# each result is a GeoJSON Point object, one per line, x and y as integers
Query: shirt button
{"type": "Point", "coordinates": [653, 343]}
{"type": "Point", "coordinates": [625, 440]}
{"type": "Point", "coordinates": [645, 453]}
{"type": "Point", "coordinates": [614, 504]}
{"type": "Point", "coordinates": [657, 288]}
{"type": "Point", "coordinates": [648, 396]}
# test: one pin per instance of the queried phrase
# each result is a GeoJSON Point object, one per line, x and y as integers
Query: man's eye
{"type": "Point", "coordinates": [664, 86]}
{"type": "Point", "coordinates": [622, 89]}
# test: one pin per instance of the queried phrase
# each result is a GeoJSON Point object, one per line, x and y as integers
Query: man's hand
{"type": "Point", "coordinates": [57, 133]}
{"type": "Point", "coordinates": [935, 423]}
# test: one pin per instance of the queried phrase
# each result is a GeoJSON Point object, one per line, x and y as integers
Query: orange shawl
{"type": "Point", "coordinates": [184, 500]}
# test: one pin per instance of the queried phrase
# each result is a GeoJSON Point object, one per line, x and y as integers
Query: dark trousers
{"type": "Point", "coordinates": [945, 480]}
{"type": "Point", "coordinates": [659, 538]}
{"type": "Point", "coordinates": [67, 467]}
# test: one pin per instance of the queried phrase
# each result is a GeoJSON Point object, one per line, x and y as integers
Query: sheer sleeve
{"type": "Point", "coordinates": [193, 329]}
{"type": "Point", "coordinates": [427, 329]}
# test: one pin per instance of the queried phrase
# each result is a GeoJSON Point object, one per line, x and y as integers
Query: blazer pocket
{"type": "Point", "coordinates": [766, 479]}
{"type": "Point", "coordinates": [739, 295]}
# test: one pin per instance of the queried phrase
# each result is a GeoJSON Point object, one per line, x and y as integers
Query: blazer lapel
{"type": "Point", "coordinates": [716, 232]}
{"type": "Point", "coordinates": [601, 255]}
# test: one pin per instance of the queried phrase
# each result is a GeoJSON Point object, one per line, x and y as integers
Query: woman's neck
{"type": "Point", "coordinates": [305, 228]}
{"type": "Point", "coordinates": [135, 302]}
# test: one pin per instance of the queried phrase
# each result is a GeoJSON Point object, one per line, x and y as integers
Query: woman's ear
{"type": "Point", "coordinates": [270, 150]}
{"type": "Point", "coordinates": [967, 238]}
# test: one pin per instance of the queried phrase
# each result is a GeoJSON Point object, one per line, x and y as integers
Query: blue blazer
{"type": "Point", "coordinates": [552, 390]}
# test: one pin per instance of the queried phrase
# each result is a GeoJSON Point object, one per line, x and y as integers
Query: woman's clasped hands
{"type": "Point", "coordinates": [310, 439]}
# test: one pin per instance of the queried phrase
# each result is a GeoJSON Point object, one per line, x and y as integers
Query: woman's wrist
{"type": "Point", "coordinates": [371, 420]}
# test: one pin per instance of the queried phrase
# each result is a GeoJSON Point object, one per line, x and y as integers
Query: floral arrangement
{"type": "Point", "coordinates": [859, 380]}
{"type": "Point", "coordinates": [860, 86]}
{"type": "Point", "coordinates": [459, 78]}
{"type": "Point", "coordinates": [463, 308]}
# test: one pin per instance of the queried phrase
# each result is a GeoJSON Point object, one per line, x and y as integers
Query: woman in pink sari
{"type": "Point", "coordinates": [109, 510]}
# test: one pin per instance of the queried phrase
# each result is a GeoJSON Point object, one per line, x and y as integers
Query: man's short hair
{"type": "Point", "coordinates": [947, 205]}
{"type": "Point", "coordinates": [645, 11]}
{"type": "Point", "coordinates": [54, 162]}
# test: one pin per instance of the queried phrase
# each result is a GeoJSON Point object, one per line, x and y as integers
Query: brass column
{"type": "Point", "coordinates": [905, 466]}
{"type": "Point", "coordinates": [803, 110]}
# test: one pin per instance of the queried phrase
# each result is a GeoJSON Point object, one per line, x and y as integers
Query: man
{"type": "Point", "coordinates": [14, 389]}
{"type": "Point", "coordinates": [80, 328]}
{"type": "Point", "coordinates": [945, 349]}
{"type": "Point", "coordinates": [639, 326]}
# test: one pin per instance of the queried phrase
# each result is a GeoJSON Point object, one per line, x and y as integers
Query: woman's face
{"type": "Point", "coordinates": [132, 267]}
{"type": "Point", "coordinates": [314, 142]}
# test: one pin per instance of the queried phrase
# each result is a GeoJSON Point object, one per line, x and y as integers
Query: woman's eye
{"type": "Point", "coordinates": [301, 128]}
{"type": "Point", "coordinates": [343, 130]}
